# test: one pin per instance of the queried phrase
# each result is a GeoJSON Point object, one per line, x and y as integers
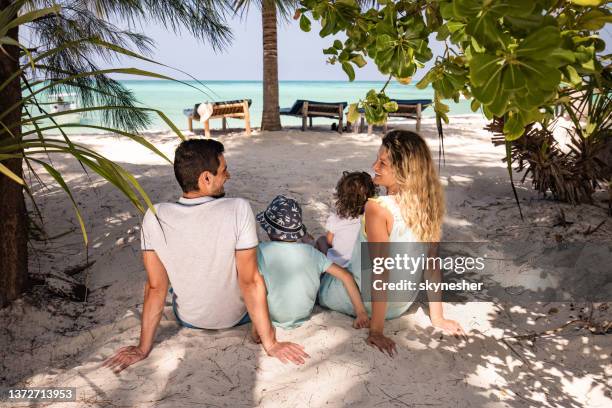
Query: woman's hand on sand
{"type": "Point", "coordinates": [288, 352]}
{"type": "Point", "coordinates": [124, 358]}
{"type": "Point", "coordinates": [362, 321]}
{"type": "Point", "coordinates": [450, 327]}
{"type": "Point", "coordinates": [383, 343]}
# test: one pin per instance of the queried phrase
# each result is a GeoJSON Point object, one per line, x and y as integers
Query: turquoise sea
{"type": "Point", "coordinates": [172, 97]}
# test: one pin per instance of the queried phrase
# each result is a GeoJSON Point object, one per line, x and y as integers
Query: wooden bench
{"type": "Point", "coordinates": [313, 109]}
{"type": "Point", "coordinates": [223, 109]}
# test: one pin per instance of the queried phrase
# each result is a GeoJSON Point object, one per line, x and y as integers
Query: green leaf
{"type": "Point", "coordinates": [359, 60]}
{"type": "Point", "coordinates": [529, 22]}
{"type": "Point", "coordinates": [513, 78]}
{"type": "Point", "coordinates": [594, 20]}
{"type": "Point", "coordinates": [454, 26]}
{"type": "Point", "coordinates": [328, 24]}
{"type": "Point", "coordinates": [444, 87]}
{"type": "Point", "coordinates": [353, 113]}
{"type": "Point", "coordinates": [513, 126]}
{"type": "Point", "coordinates": [572, 76]}
{"type": "Point", "coordinates": [330, 51]}
{"type": "Point", "coordinates": [60, 180]}
{"type": "Point", "coordinates": [427, 78]}
{"type": "Point", "coordinates": [390, 106]}
{"type": "Point", "coordinates": [10, 174]}
{"type": "Point", "coordinates": [587, 3]}
{"type": "Point", "coordinates": [483, 67]}
{"type": "Point", "coordinates": [533, 98]}
{"type": "Point", "coordinates": [540, 76]}
{"type": "Point", "coordinates": [499, 105]}
{"type": "Point", "coordinates": [560, 57]}
{"type": "Point", "coordinates": [488, 91]}
{"type": "Point", "coordinates": [304, 23]}
{"type": "Point", "coordinates": [539, 44]}
{"type": "Point", "coordinates": [474, 105]}
{"type": "Point", "coordinates": [512, 8]}
{"type": "Point", "coordinates": [338, 45]}
{"type": "Point", "coordinates": [11, 41]}
{"type": "Point", "coordinates": [28, 18]}
{"type": "Point", "coordinates": [466, 8]}
{"type": "Point", "coordinates": [348, 69]}
{"type": "Point", "coordinates": [485, 30]}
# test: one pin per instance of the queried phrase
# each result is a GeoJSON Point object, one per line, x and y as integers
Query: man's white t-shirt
{"type": "Point", "coordinates": [196, 240]}
{"type": "Point", "coordinates": [345, 232]}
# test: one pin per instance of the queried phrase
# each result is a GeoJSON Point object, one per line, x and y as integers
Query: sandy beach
{"type": "Point", "coordinates": [515, 356]}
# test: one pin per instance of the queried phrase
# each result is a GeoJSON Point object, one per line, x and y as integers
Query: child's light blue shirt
{"type": "Point", "coordinates": [292, 272]}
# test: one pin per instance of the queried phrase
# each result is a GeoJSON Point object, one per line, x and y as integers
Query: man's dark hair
{"type": "Point", "coordinates": [352, 193]}
{"type": "Point", "coordinates": [192, 158]}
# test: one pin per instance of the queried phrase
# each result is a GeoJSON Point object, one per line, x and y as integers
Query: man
{"type": "Point", "coordinates": [205, 245]}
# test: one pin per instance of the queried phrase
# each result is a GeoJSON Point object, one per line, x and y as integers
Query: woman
{"type": "Point", "coordinates": [412, 212]}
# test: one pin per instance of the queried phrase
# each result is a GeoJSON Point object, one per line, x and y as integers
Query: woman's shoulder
{"type": "Point", "coordinates": [382, 204]}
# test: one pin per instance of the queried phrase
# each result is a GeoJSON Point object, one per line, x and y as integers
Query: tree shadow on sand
{"type": "Point", "coordinates": [494, 367]}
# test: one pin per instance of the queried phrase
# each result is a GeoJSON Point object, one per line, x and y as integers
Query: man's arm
{"type": "Point", "coordinates": [253, 290]}
{"type": "Point", "coordinates": [155, 291]}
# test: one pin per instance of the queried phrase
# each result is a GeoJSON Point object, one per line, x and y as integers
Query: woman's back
{"type": "Point", "coordinates": [401, 241]}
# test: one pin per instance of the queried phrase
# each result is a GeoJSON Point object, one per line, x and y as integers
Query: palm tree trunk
{"type": "Point", "coordinates": [13, 217]}
{"type": "Point", "coordinates": [270, 119]}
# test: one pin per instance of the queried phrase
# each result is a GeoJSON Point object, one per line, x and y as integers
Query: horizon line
{"type": "Point", "coordinates": [260, 80]}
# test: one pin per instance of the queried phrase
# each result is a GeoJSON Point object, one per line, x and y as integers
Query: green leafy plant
{"type": "Point", "coordinates": [518, 61]}
{"type": "Point", "coordinates": [511, 57]}
{"type": "Point", "coordinates": [570, 173]}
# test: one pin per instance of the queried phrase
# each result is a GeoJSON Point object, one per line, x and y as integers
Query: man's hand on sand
{"type": "Point", "coordinates": [288, 352]}
{"type": "Point", "coordinates": [382, 342]}
{"type": "Point", "coordinates": [124, 358]}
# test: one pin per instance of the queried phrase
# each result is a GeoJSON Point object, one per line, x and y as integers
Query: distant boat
{"type": "Point", "coordinates": [63, 102]}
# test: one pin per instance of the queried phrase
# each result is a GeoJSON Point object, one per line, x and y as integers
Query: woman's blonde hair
{"type": "Point", "coordinates": [420, 194]}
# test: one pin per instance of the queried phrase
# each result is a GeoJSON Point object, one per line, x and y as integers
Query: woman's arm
{"type": "Point", "coordinates": [377, 230]}
{"type": "Point", "coordinates": [436, 313]}
{"type": "Point", "coordinates": [345, 276]}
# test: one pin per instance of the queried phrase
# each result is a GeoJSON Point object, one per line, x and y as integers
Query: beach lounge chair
{"type": "Point", "coordinates": [223, 109]}
{"type": "Point", "coordinates": [406, 108]}
{"type": "Point", "coordinates": [313, 109]}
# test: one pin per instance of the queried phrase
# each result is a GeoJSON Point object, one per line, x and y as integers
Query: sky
{"type": "Point", "coordinates": [300, 55]}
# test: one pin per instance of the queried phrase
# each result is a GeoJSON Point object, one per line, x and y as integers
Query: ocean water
{"type": "Point", "coordinates": [173, 97]}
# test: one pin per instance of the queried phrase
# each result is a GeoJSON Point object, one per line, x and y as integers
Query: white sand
{"type": "Point", "coordinates": [58, 343]}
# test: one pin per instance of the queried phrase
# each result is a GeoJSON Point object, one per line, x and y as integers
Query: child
{"type": "Point", "coordinates": [292, 270]}
{"type": "Point", "coordinates": [352, 193]}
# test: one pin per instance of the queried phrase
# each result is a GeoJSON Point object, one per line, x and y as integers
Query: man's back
{"type": "Point", "coordinates": [196, 240]}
